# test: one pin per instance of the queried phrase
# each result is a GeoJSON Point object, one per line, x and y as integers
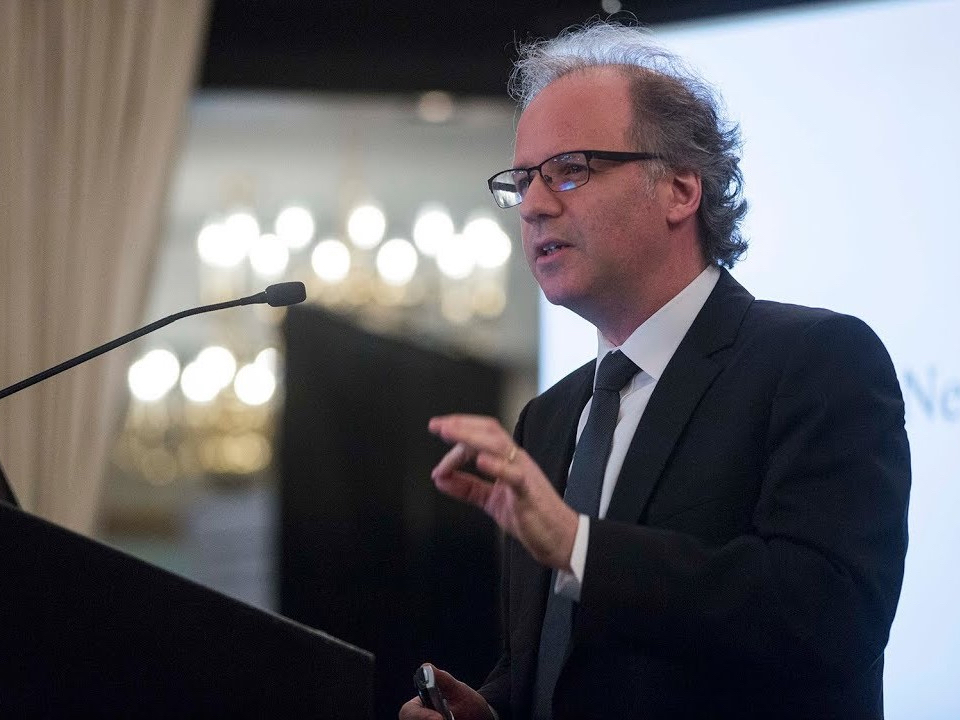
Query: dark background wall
{"type": "Point", "coordinates": [369, 550]}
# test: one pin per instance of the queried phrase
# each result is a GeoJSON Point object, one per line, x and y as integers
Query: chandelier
{"type": "Point", "coordinates": [210, 412]}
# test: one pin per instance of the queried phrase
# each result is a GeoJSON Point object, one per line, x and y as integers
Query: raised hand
{"type": "Point", "coordinates": [515, 493]}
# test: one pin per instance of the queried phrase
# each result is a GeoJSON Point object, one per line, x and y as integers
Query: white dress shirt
{"type": "Point", "coordinates": [650, 347]}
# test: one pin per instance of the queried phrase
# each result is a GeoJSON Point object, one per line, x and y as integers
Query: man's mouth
{"type": "Point", "coordinates": [550, 248]}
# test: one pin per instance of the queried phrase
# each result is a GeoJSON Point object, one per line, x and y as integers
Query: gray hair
{"type": "Point", "coordinates": [677, 115]}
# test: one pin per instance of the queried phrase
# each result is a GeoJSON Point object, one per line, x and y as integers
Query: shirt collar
{"type": "Point", "coordinates": [652, 344]}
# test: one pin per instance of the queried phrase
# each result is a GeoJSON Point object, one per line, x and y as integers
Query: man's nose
{"type": "Point", "coordinates": [539, 201]}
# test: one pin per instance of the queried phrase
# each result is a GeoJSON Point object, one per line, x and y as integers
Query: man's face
{"type": "Point", "coordinates": [594, 249]}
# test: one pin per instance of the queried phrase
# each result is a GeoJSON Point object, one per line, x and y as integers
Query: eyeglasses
{"type": "Point", "coordinates": [562, 172]}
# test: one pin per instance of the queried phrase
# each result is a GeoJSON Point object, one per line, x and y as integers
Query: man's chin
{"type": "Point", "coordinates": [554, 296]}
{"type": "Point", "coordinates": [563, 297]}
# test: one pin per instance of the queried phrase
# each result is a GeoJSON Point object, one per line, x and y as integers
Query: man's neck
{"type": "Point", "coordinates": [619, 322]}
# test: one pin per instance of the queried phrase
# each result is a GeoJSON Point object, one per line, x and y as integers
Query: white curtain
{"type": "Point", "coordinates": [92, 97]}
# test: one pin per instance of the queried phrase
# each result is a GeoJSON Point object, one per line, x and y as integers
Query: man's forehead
{"type": "Point", "coordinates": [586, 110]}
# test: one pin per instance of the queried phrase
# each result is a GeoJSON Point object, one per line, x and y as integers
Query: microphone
{"type": "Point", "coordinates": [279, 295]}
{"type": "Point", "coordinates": [282, 294]}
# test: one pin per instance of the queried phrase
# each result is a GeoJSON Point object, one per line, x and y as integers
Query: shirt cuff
{"type": "Point", "coordinates": [569, 583]}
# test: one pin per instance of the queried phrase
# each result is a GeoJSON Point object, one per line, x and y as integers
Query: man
{"type": "Point", "coordinates": [736, 549]}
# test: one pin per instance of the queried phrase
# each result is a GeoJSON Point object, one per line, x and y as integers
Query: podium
{"type": "Point", "coordinates": [87, 629]}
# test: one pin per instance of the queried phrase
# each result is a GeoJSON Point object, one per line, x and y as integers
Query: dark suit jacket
{"type": "Point", "coordinates": [751, 559]}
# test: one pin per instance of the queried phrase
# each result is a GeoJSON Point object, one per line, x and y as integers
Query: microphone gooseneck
{"type": "Point", "coordinates": [279, 295]}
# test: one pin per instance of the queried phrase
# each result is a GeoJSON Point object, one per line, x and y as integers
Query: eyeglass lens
{"type": "Point", "coordinates": [563, 172]}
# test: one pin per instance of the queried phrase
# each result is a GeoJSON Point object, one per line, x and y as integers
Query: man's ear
{"type": "Point", "coordinates": [684, 199]}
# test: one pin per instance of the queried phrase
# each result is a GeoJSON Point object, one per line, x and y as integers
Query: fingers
{"type": "Point", "coordinates": [450, 479]}
{"type": "Point", "coordinates": [413, 709]}
{"type": "Point", "coordinates": [501, 466]}
{"type": "Point", "coordinates": [465, 702]}
{"type": "Point", "coordinates": [445, 680]}
{"type": "Point", "coordinates": [481, 433]}
{"type": "Point", "coordinates": [456, 457]}
{"type": "Point", "coordinates": [464, 486]}
{"type": "Point", "coordinates": [477, 439]}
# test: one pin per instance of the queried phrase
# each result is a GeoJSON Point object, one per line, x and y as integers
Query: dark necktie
{"type": "Point", "coordinates": [584, 486]}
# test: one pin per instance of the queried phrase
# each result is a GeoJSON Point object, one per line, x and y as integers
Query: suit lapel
{"type": "Point", "coordinates": [560, 422]}
{"type": "Point", "coordinates": [555, 420]}
{"type": "Point", "coordinates": [686, 378]}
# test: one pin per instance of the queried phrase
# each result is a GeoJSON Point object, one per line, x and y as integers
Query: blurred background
{"type": "Point", "coordinates": [165, 155]}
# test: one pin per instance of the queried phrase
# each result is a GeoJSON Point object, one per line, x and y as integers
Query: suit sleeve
{"type": "Point", "coordinates": [813, 586]}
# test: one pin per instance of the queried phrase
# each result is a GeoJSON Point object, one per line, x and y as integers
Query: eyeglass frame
{"type": "Point", "coordinates": [612, 155]}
